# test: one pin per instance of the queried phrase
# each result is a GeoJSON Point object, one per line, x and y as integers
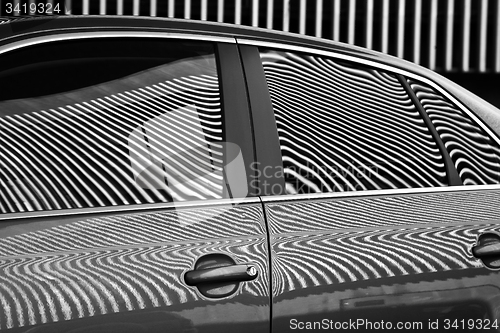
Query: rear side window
{"type": "Point", "coordinates": [344, 127]}
{"type": "Point", "coordinates": [475, 155]}
{"type": "Point", "coordinates": [109, 122]}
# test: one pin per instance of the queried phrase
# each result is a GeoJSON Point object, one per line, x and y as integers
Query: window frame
{"type": "Point", "coordinates": [268, 154]}
{"type": "Point", "coordinates": [233, 94]}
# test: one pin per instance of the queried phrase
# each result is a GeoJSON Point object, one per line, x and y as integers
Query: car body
{"type": "Point", "coordinates": [166, 175]}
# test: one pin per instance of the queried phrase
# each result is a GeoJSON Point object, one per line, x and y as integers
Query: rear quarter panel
{"type": "Point", "coordinates": [394, 258]}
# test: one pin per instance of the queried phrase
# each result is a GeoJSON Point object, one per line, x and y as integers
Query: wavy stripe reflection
{"type": "Point", "coordinates": [128, 230]}
{"type": "Point", "coordinates": [158, 143]}
{"type": "Point", "coordinates": [475, 155]}
{"type": "Point", "coordinates": [370, 255]}
{"type": "Point", "coordinates": [122, 263]}
{"type": "Point", "coordinates": [344, 129]}
{"type": "Point", "coordinates": [332, 242]}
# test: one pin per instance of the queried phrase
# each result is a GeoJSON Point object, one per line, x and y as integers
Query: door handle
{"type": "Point", "coordinates": [487, 249]}
{"type": "Point", "coordinates": [217, 275]}
{"type": "Point", "coordinates": [233, 273]}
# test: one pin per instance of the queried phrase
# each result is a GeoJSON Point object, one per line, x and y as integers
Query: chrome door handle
{"type": "Point", "coordinates": [233, 273]}
{"type": "Point", "coordinates": [487, 249]}
{"type": "Point", "coordinates": [217, 275]}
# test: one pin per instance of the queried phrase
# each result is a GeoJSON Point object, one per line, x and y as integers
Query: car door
{"type": "Point", "coordinates": [381, 196]}
{"type": "Point", "coordinates": [125, 199]}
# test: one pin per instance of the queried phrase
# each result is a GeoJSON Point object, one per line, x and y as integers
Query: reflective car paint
{"type": "Point", "coordinates": [100, 272]}
{"type": "Point", "coordinates": [397, 258]}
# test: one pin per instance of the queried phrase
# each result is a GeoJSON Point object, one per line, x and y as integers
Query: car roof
{"type": "Point", "coordinates": [14, 27]}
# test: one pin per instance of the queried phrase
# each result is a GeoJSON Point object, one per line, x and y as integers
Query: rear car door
{"type": "Point", "coordinates": [124, 186]}
{"type": "Point", "coordinates": [381, 196]}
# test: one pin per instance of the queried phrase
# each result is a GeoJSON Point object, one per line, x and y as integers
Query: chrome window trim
{"type": "Point", "coordinates": [375, 64]}
{"type": "Point", "coordinates": [137, 208]}
{"type": "Point", "coordinates": [29, 41]}
{"type": "Point", "coordinates": [378, 193]}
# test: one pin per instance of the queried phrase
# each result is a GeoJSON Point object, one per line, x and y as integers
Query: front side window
{"type": "Point", "coordinates": [475, 155]}
{"type": "Point", "coordinates": [104, 122]}
{"type": "Point", "coordinates": [345, 127]}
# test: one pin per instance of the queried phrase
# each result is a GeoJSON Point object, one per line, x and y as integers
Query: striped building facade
{"type": "Point", "coordinates": [458, 36]}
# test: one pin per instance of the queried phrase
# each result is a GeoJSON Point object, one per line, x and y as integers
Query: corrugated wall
{"type": "Point", "coordinates": [444, 35]}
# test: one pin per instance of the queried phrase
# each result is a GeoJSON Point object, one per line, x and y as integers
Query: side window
{"type": "Point", "coordinates": [475, 155]}
{"type": "Point", "coordinates": [344, 127]}
{"type": "Point", "coordinates": [109, 122]}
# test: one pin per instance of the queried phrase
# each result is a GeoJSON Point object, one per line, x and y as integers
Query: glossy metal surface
{"type": "Point", "coordinates": [87, 270]}
{"type": "Point", "coordinates": [395, 258]}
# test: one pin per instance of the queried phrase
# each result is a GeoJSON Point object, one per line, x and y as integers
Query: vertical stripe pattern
{"type": "Point", "coordinates": [319, 18]}
{"type": "Point", "coordinates": [366, 23]}
{"type": "Point", "coordinates": [416, 31]}
{"type": "Point", "coordinates": [449, 32]}
{"type": "Point", "coordinates": [466, 36]}
{"type": "Point", "coordinates": [401, 27]}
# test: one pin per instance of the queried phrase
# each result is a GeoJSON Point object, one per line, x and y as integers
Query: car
{"type": "Point", "coordinates": [163, 175]}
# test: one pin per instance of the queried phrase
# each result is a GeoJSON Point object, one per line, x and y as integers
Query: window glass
{"type": "Point", "coordinates": [475, 155]}
{"type": "Point", "coordinates": [109, 122]}
{"type": "Point", "coordinates": [343, 127]}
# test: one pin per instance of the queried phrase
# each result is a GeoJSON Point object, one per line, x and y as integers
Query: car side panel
{"type": "Point", "coordinates": [397, 258]}
{"type": "Point", "coordinates": [123, 272]}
